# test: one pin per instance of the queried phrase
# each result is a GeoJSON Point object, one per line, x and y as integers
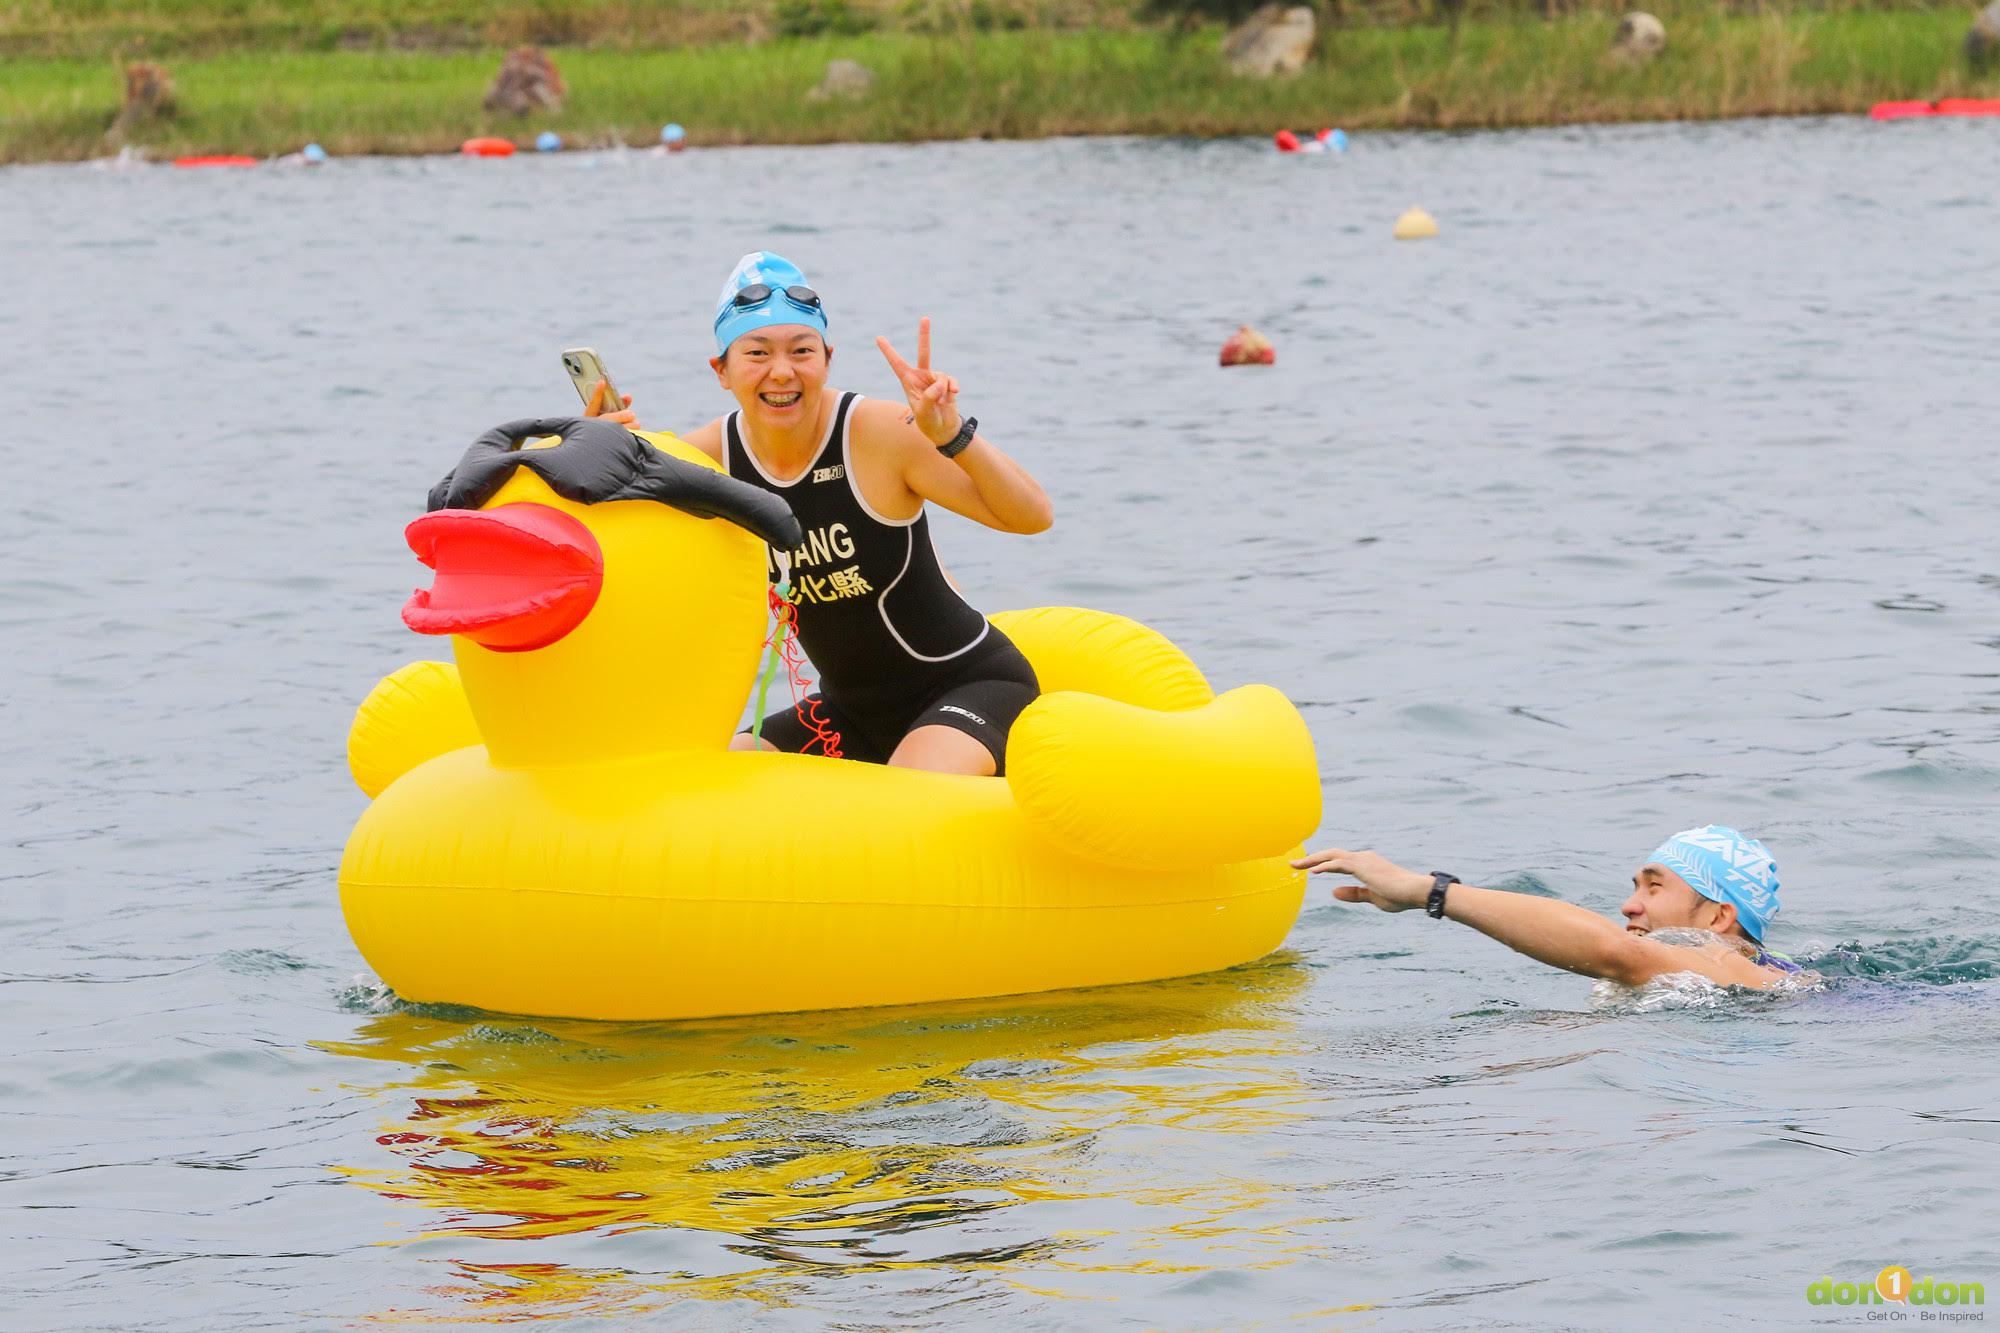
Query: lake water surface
{"type": "Point", "coordinates": [1659, 489]}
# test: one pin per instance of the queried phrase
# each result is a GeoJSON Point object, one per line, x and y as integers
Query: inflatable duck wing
{"type": "Point", "coordinates": [560, 828]}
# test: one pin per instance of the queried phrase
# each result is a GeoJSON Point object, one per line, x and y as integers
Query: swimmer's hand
{"type": "Point", "coordinates": [933, 394]}
{"type": "Point", "coordinates": [595, 408]}
{"type": "Point", "coordinates": [1383, 882]}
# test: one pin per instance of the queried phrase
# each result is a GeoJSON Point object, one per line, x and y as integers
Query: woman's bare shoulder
{"type": "Point", "coordinates": [877, 423]}
{"type": "Point", "coordinates": [707, 438]}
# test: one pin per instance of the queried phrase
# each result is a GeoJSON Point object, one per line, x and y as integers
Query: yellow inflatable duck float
{"type": "Point", "coordinates": [559, 828]}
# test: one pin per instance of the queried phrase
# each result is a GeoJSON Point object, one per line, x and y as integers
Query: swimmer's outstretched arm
{"type": "Point", "coordinates": [980, 482]}
{"type": "Point", "coordinates": [1550, 931]}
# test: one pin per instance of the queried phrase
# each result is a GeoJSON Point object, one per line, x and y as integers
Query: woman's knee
{"type": "Point", "coordinates": [743, 740]}
{"type": "Point", "coordinates": [944, 750]}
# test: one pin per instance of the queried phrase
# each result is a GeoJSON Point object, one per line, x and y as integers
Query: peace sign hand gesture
{"type": "Point", "coordinates": [933, 394]}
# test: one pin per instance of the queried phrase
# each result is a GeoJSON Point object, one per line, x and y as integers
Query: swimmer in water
{"type": "Point", "coordinates": [1712, 878]}
{"type": "Point", "coordinates": [917, 679]}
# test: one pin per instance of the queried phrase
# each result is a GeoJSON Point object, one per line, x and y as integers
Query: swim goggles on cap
{"type": "Point", "coordinates": [749, 298]}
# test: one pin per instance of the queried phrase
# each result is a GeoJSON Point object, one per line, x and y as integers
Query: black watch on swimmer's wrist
{"type": "Point", "coordinates": [1434, 905]}
{"type": "Point", "coordinates": [955, 446]}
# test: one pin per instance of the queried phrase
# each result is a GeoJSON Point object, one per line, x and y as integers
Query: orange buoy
{"type": "Point", "coordinates": [216, 160]}
{"type": "Point", "coordinates": [1969, 106]}
{"type": "Point", "coordinates": [487, 147]}
{"type": "Point", "coordinates": [1247, 347]}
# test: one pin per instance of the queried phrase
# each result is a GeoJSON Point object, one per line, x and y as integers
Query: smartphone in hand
{"type": "Point", "coordinates": [585, 369]}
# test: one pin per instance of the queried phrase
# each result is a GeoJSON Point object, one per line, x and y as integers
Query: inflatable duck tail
{"type": "Point", "coordinates": [1096, 652]}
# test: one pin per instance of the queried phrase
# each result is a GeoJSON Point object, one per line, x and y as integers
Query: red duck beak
{"type": "Point", "coordinates": [512, 579]}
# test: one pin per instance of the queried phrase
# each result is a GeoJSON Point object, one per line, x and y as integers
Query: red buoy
{"type": "Point", "coordinates": [216, 160]}
{"type": "Point", "coordinates": [487, 147]}
{"type": "Point", "coordinates": [1247, 347]}
{"type": "Point", "coordinates": [1969, 106]}
{"type": "Point", "coordinates": [1899, 110]}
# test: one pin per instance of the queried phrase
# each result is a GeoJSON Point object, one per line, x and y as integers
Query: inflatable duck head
{"type": "Point", "coordinates": [595, 614]}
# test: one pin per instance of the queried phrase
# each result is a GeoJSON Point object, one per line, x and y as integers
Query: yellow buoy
{"type": "Point", "coordinates": [1415, 225]}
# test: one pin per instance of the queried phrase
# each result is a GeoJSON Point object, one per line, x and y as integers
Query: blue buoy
{"type": "Point", "coordinates": [548, 141]}
{"type": "Point", "coordinates": [313, 153]}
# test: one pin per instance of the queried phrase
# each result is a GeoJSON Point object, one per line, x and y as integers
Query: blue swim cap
{"type": "Point", "coordinates": [732, 321]}
{"type": "Point", "coordinates": [312, 152]}
{"type": "Point", "coordinates": [671, 132]}
{"type": "Point", "coordinates": [548, 141]}
{"type": "Point", "coordinates": [1725, 866]}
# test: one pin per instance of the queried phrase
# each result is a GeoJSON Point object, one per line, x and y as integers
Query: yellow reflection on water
{"type": "Point", "coordinates": [1038, 1140]}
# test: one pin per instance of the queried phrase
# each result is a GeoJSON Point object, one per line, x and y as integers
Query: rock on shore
{"type": "Point", "coordinates": [1640, 37]}
{"type": "Point", "coordinates": [1275, 40]}
{"type": "Point", "coordinates": [149, 95]}
{"type": "Point", "coordinates": [1982, 40]}
{"type": "Point", "coordinates": [527, 81]}
{"type": "Point", "coordinates": [844, 78]}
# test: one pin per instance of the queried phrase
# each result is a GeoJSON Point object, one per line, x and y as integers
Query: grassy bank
{"type": "Point", "coordinates": [83, 29]}
{"type": "Point", "coordinates": [1024, 83]}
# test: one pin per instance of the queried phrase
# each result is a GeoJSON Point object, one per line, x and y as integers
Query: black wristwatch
{"type": "Point", "coordinates": [1434, 905]}
{"type": "Point", "coordinates": [955, 446]}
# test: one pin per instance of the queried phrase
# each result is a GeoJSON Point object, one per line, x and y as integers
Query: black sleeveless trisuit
{"type": "Point", "coordinates": [895, 645]}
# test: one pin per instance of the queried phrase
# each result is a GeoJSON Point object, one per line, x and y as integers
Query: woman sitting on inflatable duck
{"type": "Point", "coordinates": [559, 822]}
{"type": "Point", "coordinates": [558, 826]}
{"type": "Point", "coordinates": [910, 674]}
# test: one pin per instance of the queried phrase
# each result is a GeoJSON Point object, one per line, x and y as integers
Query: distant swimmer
{"type": "Point", "coordinates": [1712, 879]}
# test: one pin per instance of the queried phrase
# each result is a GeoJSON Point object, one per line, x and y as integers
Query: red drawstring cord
{"type": "Point", "coordinates": [785, 641]}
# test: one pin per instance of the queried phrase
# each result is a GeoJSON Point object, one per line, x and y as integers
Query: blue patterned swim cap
{"type": "Point", "coordinates": [1725, 866]}
{"type": "Point", "coordinates": [732, 321]}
